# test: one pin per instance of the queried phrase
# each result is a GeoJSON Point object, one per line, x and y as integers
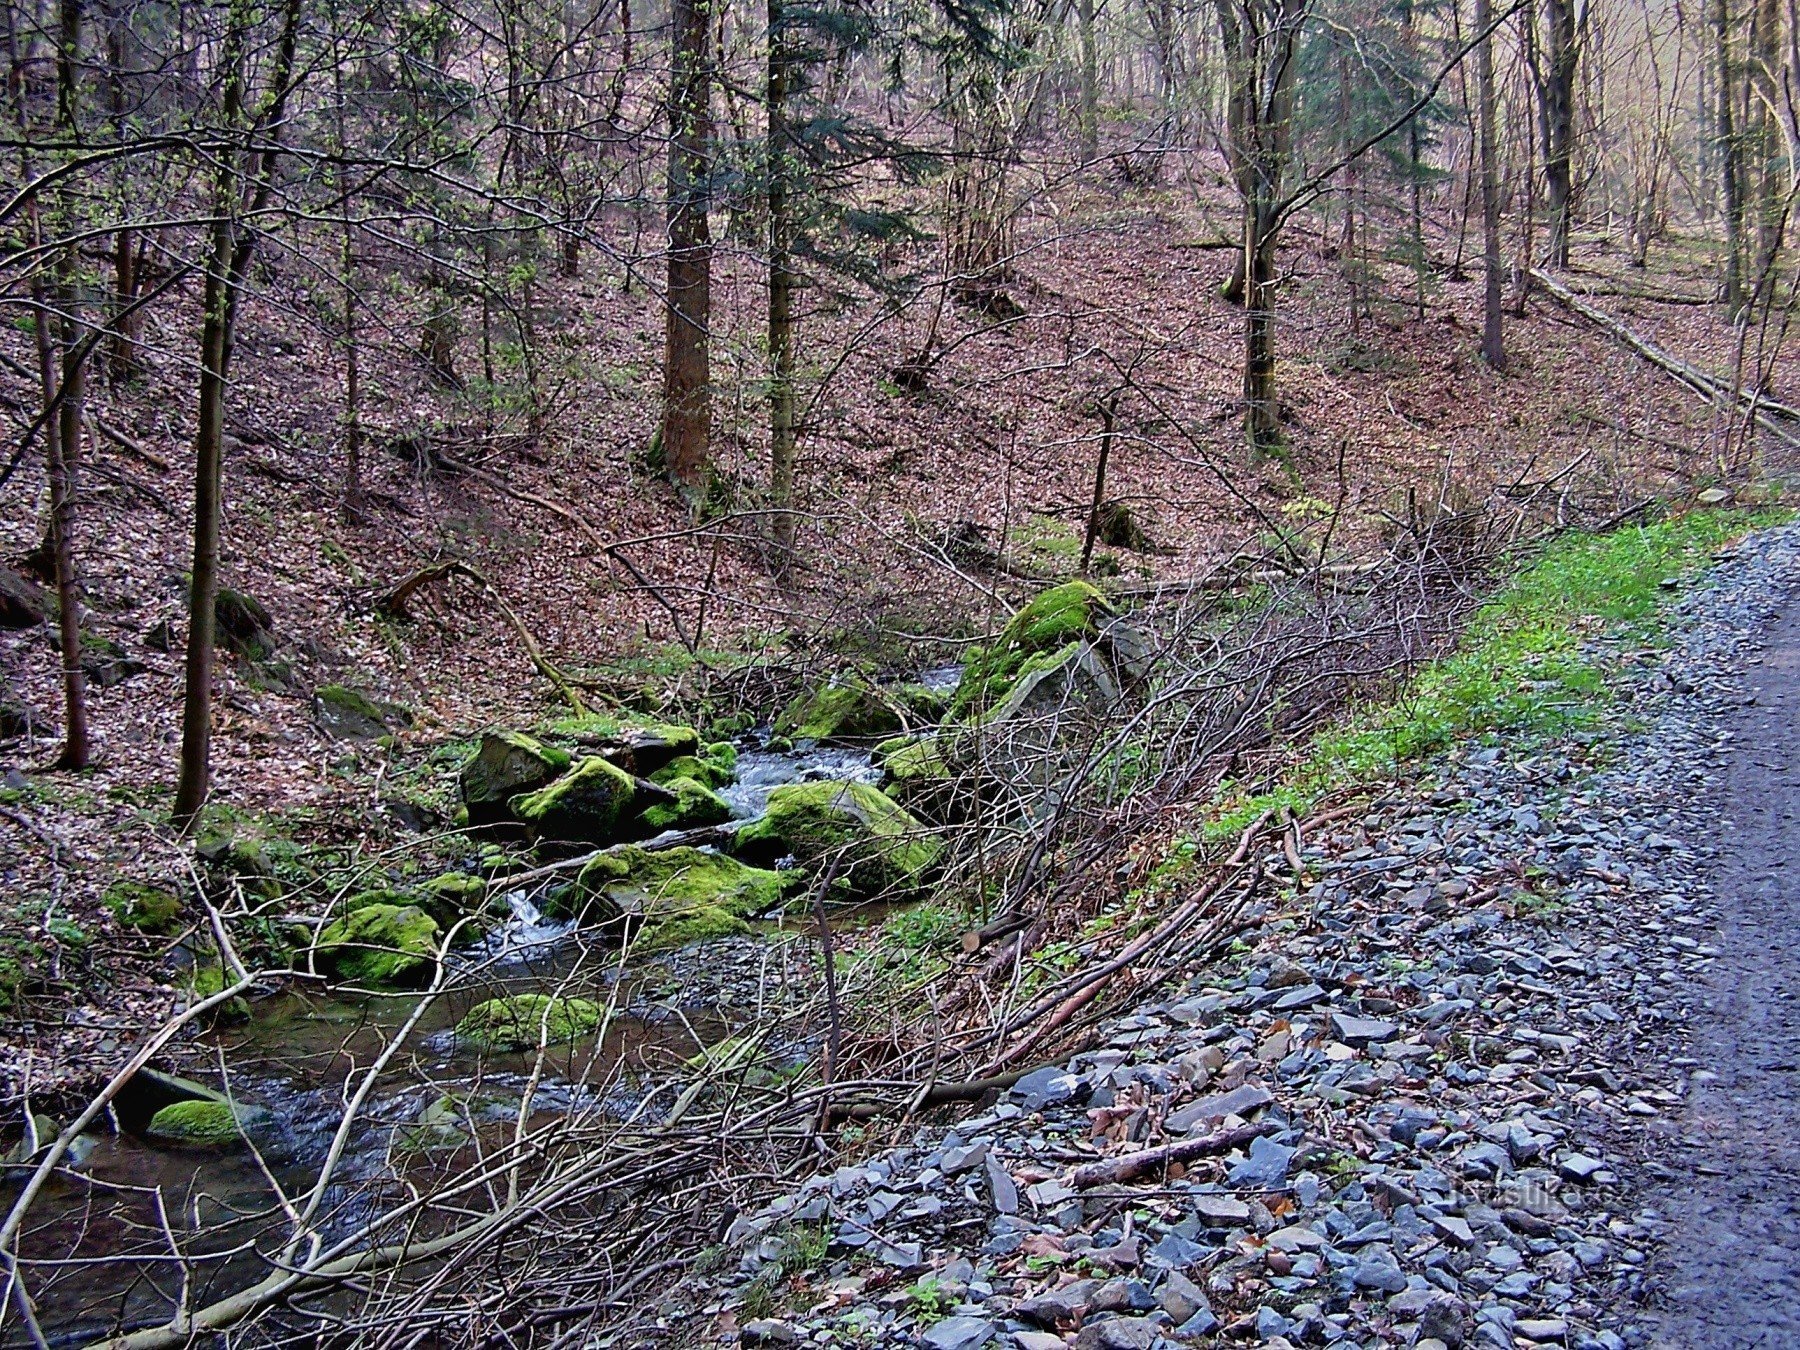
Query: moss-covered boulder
{"type": "Point", "coordinates": [155, 910]}
{"type": "Point", "coordinates": [880, 848]}
{"type": "Point", "coordinates": [526, 1021]}
{"type": "Point", "coordinates": [349, 714]}
{"type": "Point", "coordinates": [918, 775]}
{"type": "Point", "coordinates": [714, 766]}
{"type": "Point", "coordinates": [847, 709]}
{"type": "Point", "coordinates": [1071, 613]}
{"type": "Point", "coordinates": [669, 897]}
{"type": "Point", "coordinates": [463, 892]}
{"type": "Point", "coordinates": [587, 805]}
{"type": "Point", "coordinates": [695, 805]}
{"type": "Point", "coordinates": [505, 765]}
{"type": "Point", "coordinates": [209, 1124]}
{"type": "Point", "coordinates": [379, 944]}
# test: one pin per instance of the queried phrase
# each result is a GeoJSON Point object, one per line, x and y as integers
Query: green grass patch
{"type": "Point", "coordinates": [1524, 668]}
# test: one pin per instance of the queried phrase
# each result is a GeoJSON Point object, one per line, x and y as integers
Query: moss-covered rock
{"type": "Point", "coordinates": [464, 891]}
{"type": "Point", "coordinates": [587, 805]}
{"type": "Point", "coordinates": [918, 775]}
{"type": "Point", "coordinates": [525, 1021]}
{"type": "Point", "coordinates": [848, 709]}
{"type": "Point", "coordinates": [244, 624]}
{"type": "Point", "coordinates": [881, 849]}
{"type": "Point", "coordinates": [715, 766]}
{"type": "Point", "coordinates": [695, 805]}
{"type": "Point", "coordinates": [207, 981]}
{"type": "Point", "coordinates": [379, 944]}
{"type": "Point", "coordinates": [505, 765]}
{"type": "Point", "coordinates": [349, 714]}
{"type": "Point", "coordinates": [208, 1124]}
{"type": "Point", "coordinates": [1070, 613]}
{"type": "Point", "coordinates": [669, 897]}
{"type": "Point", "coordinates": [148, 909]}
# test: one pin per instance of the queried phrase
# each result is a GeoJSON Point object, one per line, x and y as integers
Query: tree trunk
{"type": "Point", "coordinates": [195, 779]}
{"type": "Point", "coordinates": [687, 374]}
{"type": "Point", "coordinates": [62, 451]}
{"type": "Point", "coordinates": [1730, 159]}
{"type": "Point", "coordinates": [229, 253]}
{"type": "Point", "coordinates": [1559, 124]}
{"type": "Point", "coordinates": [781, 298]}
{"type": "Point", "coordinates": [1090, 82]}
{"type": "Point", "coordinates": [1493, 350]}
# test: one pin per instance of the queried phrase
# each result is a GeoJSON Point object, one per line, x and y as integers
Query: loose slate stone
{"type": "Point", "coordinates": [1002, 1189]}
{"type": "Point", "coordinates": [960, 1333]}
{"type": "Point", "coordinates": [1240, 1101]}
{"type": "Point", "coordinates": [1579, 1168]}
{"type": "Point", "coordinates": [1042, 1088]}
{"type": "Point", "coordinates": [1221, 1211]}
{"type": "Point", "coordinates": [1118, 1333]}
{"type": "Point", "coordinates": [1267, 1165]}
{"type": "Point", "coordinates": [1362, 1031]}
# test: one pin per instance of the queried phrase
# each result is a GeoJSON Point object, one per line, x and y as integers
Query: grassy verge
{"type": "Point", "coordinates": [1524, 668]}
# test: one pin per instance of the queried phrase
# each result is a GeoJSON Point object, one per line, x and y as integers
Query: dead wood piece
{"type": "Point", "coordinates": [1131, 1166]}
{"type": "Point", "coordinates": [1769, 412]}
{"type": "Point", "coordinates": [393, 601]}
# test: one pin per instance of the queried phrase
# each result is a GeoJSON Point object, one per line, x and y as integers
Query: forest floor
{"type": "Point", "coordinates": [1384, 406]}
{"type": "Point", "coordinates": [1516, 1044]}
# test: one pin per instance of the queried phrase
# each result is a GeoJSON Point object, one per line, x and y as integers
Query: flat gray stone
{"type": "Point", "coordinates": [1240, 1101]}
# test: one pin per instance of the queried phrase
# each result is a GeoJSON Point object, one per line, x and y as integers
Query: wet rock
{"type": "Point", "coordinates": [525, 1021]}
{"type": "Point", "coordinates": [585, 806]}
{"type": "Point", "coordinates": [209, 1125]}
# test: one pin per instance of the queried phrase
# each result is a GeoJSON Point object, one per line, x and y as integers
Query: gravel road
{"type": "Point", "coordinates": [1730, 1267]}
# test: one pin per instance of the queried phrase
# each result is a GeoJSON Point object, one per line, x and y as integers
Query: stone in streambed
{"type": "Point", "coordinates": [587, 805]}
{"type": "Point", "coordinates": [379, 944]}
{"type": "Point", "coordinates": [695, 805]}
{"type": "Point", "coordinates": [506, 764]}
{"type": "Point", "coordinates": [209, 1124]}
{"type": "Point", "coordinates": [670, 897]}
{"type": "Point", "coordinates": [879, 848]}
{"type": "Point", "coordinates": [525, 1021]}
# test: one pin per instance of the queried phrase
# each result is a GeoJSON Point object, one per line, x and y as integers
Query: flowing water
{"type": "Point", "coordinates": [93, 1246]}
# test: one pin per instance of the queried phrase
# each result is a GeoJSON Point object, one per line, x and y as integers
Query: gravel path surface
{"type": "Point", "coordinates": [1731, 1267]}
{"type": "Point", "coordinates": [1517, 1046]}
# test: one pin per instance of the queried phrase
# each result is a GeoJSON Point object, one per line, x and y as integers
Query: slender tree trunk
{"type": "Point", "coordinates": [781, 297]}
{"type": "Point", "coordinates": [229, 253]}
{"type": "Point", "coordinates": [195, 779]}
{"type": "Point", "coordinates": [1493, 350]}
{"type": "Point", "coordinates": [1559, 125]}
{"type": "Point", "coordinates": [1765, 71]}
{"type": "Point", "coordinates": [687, 373]}
{"type": "Point", "coordinates": [1090, 82]}
{"type": "Point", "coordinates": [62, 452]}
{"type": "Point", "coordinates": [1731, 177]}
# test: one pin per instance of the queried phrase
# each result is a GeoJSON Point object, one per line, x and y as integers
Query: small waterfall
{"type": "Point", "coordinates": [526, 929]}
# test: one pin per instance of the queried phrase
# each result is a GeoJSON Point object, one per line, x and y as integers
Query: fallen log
{"type": "Point", "coordinates": [1131, 1166]}
{"type": "Point", "coordinates": [1769, 412]}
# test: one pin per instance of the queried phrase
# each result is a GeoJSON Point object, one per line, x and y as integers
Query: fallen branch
{"type": "Point", "coordinates": [394, 602]}
{"type": "Point", "coordinates": [1131, 1166]}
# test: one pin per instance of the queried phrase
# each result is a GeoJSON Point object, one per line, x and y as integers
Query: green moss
{"type": "Point", "coordinates": [710, 769]}
{"type": "Point", "coordinates": [206, 1124]}
{"type": "Point", "coordinates": [505, 765]}
{"type": "Point", "coordinates": [148, 909]}
{"type": "Point", "coordinates": [208, 980]}
{"type": "Point", "coordinates": [461, 889]}
{"type": "Point", "coordinates": [380, 944]}
{"type": "Point", "coordinates": [525, 1021]}
{"type": "Point", "coordinates": [695, 805]}
{"type": "Point", "coordinates": [678, 895]}
{"type": "Point", "coordinates": [584, 806]}
{"type": "Point", "coordinates": [882, 850]}
{"type": "Point", "coordinates": [1034, 637]}
{"type": "Point", "coordinates": [847, 709]}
